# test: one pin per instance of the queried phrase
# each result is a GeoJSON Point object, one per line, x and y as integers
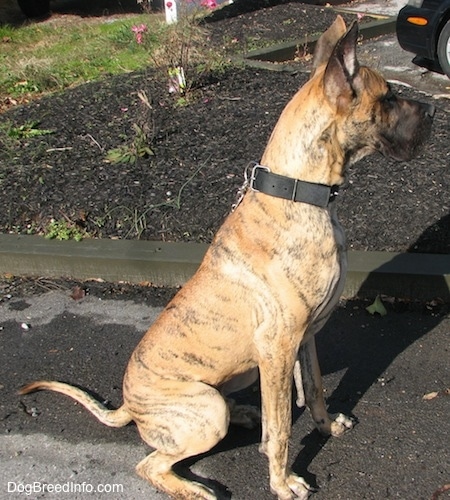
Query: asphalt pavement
{"type": "Point", "coordinates": [391, 372]}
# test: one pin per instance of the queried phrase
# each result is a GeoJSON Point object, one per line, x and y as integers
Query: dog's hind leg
{"type": "Point", "coordinates": [180, 420]}
{"type": "Point", "coordinates": [311, 379]}
{"type": "Point", "coordinates": [157, 469]}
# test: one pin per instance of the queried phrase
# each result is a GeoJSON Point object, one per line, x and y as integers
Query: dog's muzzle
{"type": "Point", "coordinates": [429, 110]}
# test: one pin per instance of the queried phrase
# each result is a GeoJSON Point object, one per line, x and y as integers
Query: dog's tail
{"type": "Point", "coordinates": [112, 418]}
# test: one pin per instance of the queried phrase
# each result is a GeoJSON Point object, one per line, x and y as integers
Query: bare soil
{"type": "Point", "coordinates": [185, 189]}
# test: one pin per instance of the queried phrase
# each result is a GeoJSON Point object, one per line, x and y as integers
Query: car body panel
{"type": "Point", "coordinates": [422, 40]}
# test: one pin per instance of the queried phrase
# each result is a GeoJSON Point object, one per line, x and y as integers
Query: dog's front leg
{"type": "Point", "coordinates": [311, 379]}
{"type": "Point", "coordinates": [276, 391]}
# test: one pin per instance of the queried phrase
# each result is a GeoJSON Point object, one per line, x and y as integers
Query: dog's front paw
{"type": "Point", "coordinates": [295, 487]}
{"type": "Point", "coordinates": [340, 424]}
{"type": "Point", "coordinates": [299, 486]}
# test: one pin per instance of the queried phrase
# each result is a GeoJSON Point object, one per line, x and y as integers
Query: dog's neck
{"type": "Point", "coordinates": [304, 143]}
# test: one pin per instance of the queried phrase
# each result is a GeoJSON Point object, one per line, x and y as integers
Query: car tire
{"type": "Point", "coordinates": [443, 49]}
{"type": "Point", "coordinates": [34, 8]}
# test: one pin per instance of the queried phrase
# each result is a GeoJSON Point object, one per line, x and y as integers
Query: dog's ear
{"type": "Point", "coordinates": [342, 70]}
{"type": "Point", "coordinates": [327, 42]}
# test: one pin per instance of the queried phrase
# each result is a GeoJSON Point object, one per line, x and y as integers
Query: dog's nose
{"type": "Point", "coordinates": [430, 110]}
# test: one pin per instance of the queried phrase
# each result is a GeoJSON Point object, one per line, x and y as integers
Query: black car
{"type": "Point", "coordinates": [423, 27]}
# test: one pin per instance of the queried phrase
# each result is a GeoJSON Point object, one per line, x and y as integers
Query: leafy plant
{"type": "Point", "coordinates": [143, 136]}
{"type": "Point", "coordinates": [63, 230]}
{"type": "Point", "coordinates": [377, 307]}
{"type": "Point", "coordinates": [184, 53]}
{"type": "Point", "coordinates": [27, 130]}
{"type": "Point", "coordinates": [129, 153]}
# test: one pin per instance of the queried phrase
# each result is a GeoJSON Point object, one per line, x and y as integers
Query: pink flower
{"type": "Point", "coordinates": [142, 28]}
{"type": "Point", "coordinates": [138, 32]}
{"type": "Point", "coordinates": [209, 4]}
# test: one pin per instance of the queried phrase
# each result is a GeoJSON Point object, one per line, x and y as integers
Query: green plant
{"type": "Point", "coordinates": [377, 307]}
{"type": "Point", "coordinates": [184, 53]}
{"type": "Point", "coordinates": [181, 102]}
{"type": "Point", "coordinates": [129, 153]}
{"type": "Point", "coordinates": [11, 134]}
{"type": "Point", "coordinates": [140, 147]}
{"type": "Point", "coordinates": [64, 230]}
{"type": "Point", "coordinates": [27, 130]}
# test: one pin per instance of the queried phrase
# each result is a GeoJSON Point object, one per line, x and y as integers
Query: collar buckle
{"type": "Point", "coordinates": [294, 190]}
{"type": "Point", "coordinates": [254, 169]}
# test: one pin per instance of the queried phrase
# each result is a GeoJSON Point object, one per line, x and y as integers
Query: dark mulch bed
{"type": "Point", "coordinates": [184, 191]}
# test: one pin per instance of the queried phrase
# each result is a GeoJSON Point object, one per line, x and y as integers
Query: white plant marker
{"type": "Point", "coordinates": [170, 7]}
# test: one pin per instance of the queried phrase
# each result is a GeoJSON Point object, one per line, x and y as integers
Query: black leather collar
{"type": "Point", "coordinates": [280, 186]}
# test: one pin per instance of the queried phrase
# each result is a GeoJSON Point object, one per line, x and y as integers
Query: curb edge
{"type": "Point", "coordinates": [404, 275]}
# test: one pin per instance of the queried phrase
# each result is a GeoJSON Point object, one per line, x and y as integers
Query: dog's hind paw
{"type": "Point", "coordinates": [341, 424]}
{"type": "Point", "coordinates": [244, 415]}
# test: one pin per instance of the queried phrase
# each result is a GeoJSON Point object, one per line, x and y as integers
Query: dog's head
{"type": "Point", "coordinates": [344, 112]}
{"type": "Point", "coordinates": [371, 116]}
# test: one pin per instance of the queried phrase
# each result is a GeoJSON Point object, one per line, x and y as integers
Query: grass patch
{"type": "Point", "coordinates": [47, 57]}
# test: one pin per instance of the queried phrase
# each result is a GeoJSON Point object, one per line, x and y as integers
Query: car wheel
{"type": "Point", "coordinates": [34, 8]}
{"type": "Point", "coordinates": [443, 49]}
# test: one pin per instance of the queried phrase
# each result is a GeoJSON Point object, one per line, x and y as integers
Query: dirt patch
{"type": "Point", "coordinates": [183, 191]}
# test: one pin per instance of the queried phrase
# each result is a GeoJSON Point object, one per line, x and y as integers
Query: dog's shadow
{"type": "Point", "coordinates": [366, 357]}
{"type": "Point", "coordinates": [342, 346]}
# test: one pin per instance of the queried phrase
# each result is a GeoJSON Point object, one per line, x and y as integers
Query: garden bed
{"type": "Point", "coordinates": [184, 190]}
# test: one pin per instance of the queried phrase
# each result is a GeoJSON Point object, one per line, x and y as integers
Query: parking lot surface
{"type": "Point", "coordinates": [390, 372]}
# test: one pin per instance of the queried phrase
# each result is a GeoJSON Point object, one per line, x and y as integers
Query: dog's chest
{"type": "Point", "coordinates": [337, 281]}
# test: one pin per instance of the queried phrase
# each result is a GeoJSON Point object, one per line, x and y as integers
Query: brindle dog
{"type": "Point", "coordinates": [267, 284]}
